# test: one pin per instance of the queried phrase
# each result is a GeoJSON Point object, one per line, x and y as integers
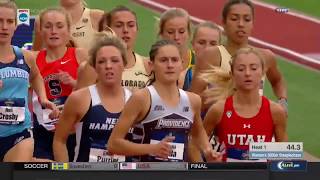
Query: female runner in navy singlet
{"type": "Point", "coordinates": [168, 114]}
{"type": "Point", "coordinates": [98, 106]}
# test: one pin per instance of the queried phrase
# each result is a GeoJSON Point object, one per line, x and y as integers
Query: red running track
{"type": "Point", "coordinates": [292, 35]}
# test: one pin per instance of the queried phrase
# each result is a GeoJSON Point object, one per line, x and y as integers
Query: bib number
{"type": "Point", "coordinates": [48, 123]}
{"type": "Point", "coordinates": [177, 150]}
{"type": "Point", "coordinates": [101, 155]}
{"type": "Point", "coordinates": [12, 111]}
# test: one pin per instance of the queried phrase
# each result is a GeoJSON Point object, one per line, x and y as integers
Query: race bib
{"type": "Point", "coordinates": [101, 155]}
{"type": "Point", "coordinates": [177, 149]}
{"type": "Point", "coordinates": [46, 113]}
{"type": "Point", "coordinates": [12, 111]}
{"type": "Point", "coordinates": [46, 122]}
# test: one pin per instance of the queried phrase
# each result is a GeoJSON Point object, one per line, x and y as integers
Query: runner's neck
{"type": "Point", "coordinates": [55, 53]}
{"type": "Point", "coordinates": [76, 12]}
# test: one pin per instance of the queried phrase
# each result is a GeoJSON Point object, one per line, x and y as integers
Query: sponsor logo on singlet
{"type": "Point", "coordinates": [141, 73]}
{"type": "Point", "coordinates": [77, 28]}
{"type": "Point", "coordinates": [185, 109]}
{"type": "Point", "coordinates": [158, 108]}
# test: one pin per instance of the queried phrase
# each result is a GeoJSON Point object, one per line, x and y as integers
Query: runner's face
{"type": "Point", "coordinates": [205, 37]}
{"type": "Point", "coordinates": [247, 72]}
{"type": "Point", "coordinates": [109, 65]}
{"type": "Point", "coordinates": [124, 24]}
{"type": "Point", "coordinates": [54, 29]}
{"type": "Point", "coordinates": [167, 64]}
{"type": "Point", "coordinates": [7, 24]}
{"type": "Point", "coordinates": [66, 3]}
{"type": "Point", "coordinates": [176, 29]}
{"type": "Point", "coordinates": [239, 23]}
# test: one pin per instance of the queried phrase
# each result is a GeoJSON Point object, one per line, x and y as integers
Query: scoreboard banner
{"type": "Point", "coordinates": [271, 170]}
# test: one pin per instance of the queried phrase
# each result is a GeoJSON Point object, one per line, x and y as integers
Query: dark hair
{"type": "Point", "coordinates": [103, 39]}
{"type": "Point", "coordinates": [230, 3]}
{"type": "Point", "coordinates": [157, 45]}
{"type": "Point", "coordinates": [154, 51]}
{"type": "Point", "coordinates": [107, 16]}
{"type": "Point", "coordinates": [102, 21]}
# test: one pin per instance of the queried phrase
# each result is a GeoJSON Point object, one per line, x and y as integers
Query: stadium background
{"type": "Point", "coordinates": [303, 82]}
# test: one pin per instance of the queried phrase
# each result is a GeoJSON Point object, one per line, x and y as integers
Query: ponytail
{"type": "Point", "coordinates": [220, 82]}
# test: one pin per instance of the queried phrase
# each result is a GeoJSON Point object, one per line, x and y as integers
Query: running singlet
{"type": "Point", "coordinates": [14, 112]}
{"type": "Point", "coordinates": [94, 130]}
{"type": "Point", "coordinates": [236, 132]}
{"type": "Point", "coordinates": [82, 32]}
{"type": "Point", "coordinates": [135, 77]}
{"type": "Point", "coordinates": [56, 91]}
{"type": "Point", "coordinates": [225, 65]}
{"type": "Point", "coordinates": [162, 121]}
{"type": "Point", "coordinates": [225, 58]}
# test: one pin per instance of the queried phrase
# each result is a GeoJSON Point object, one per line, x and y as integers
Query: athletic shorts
{"type": "Point", "coordinates": [8, 142]}
{"type": "Point", "coordinates": [43, 141]}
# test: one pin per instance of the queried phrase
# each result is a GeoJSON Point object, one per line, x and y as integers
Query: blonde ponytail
{"type": "Point", "coordinates": [221, 83]}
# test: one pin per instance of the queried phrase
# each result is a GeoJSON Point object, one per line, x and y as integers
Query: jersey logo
{"type": "Point", "coordinates": [173, 123]}
{"type": "Point", "coordinates": [185, 109]}
{"type": "Point", "coordinates": [18, 140]}
{"type": "Point", "coordinates": [244, 139]}
{"type": "Point", "coordinates": [141, 73]}
{"type": "Point", "coordinates": [64, 62]}
{"type": "Point", "coordinates": [77, 28]}
{"type": "Point", "coordinates": [158, 108]}
{"type": "Point", "coordinates": [229, 114]}
{"type": "Point", "coordinates": [20, 61]}
{"type": "Point", "coordinates": [246, 126]}
{"type": "Point", "coordinates": [9, 103]}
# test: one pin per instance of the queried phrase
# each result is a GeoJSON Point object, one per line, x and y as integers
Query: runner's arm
{"type": "Point", "coordinates": [69, 117]}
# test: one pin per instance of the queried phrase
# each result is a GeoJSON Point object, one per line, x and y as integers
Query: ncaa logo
{"type": "Point", "coordinates": [23, 17]}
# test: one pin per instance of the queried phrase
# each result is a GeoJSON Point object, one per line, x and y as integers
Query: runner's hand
{"type": "Point", "coordinates": [163, 148]}
{"type": "Point", "coordinates": [66, 78]}
{"type": "Point", "coordinates": [212, 156]}
{"type": "Point", "coordinates": [50, 105]}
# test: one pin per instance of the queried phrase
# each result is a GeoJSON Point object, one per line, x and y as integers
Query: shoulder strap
{"type": "Point", "coordinates": [95, 98]}
{"type": "Point", "coordinates": [127, 94]}
{"type": "Point", "coordinates": [18, 52]}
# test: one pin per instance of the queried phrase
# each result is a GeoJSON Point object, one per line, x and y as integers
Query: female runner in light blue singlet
{"type": "Point", "coordinates": [17, 69]}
